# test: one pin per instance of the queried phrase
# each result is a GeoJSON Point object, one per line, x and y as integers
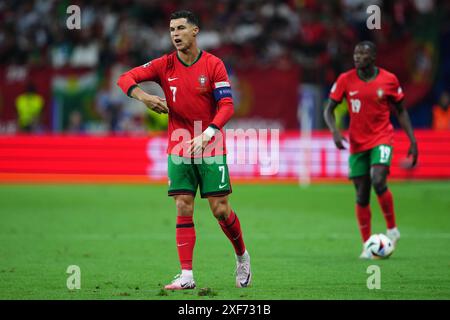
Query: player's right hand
{"type": "Point", "coordinates": [414, 153]}
{"type": "Point", "coordinates": [155, 103]}
{"type": "Point", "coordinates": [339, 140]}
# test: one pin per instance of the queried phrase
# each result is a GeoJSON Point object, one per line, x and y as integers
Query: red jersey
{"type": "Point", "coordinates": [197, 92]}
{"type": "Point", "coordinates": [368, 106]}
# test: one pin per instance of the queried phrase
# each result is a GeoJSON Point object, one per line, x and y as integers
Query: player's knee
{"type": "Point", "coordinates": [362, 200]}
{"type": "Point", "coordinates": [185, 207]}
{"type": "Point", "coordinates": [379, 184]}
{"type": "Point", "coordinates": [363, 195]}
{"type": "Point", "coordinates": [220, 209]}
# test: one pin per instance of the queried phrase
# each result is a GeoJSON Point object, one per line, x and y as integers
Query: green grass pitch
{"type": "Point", "coordinates": [304, 243]}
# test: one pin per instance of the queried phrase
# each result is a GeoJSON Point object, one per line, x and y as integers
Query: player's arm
{"type": "Point", "coordinates": [405, 122]}
{"type": "Point", "coordinates": [336, 95]}
{"type": "Point", "coordinates": [330, 120]}
{"type": "Point", "coordinates": [152, 102]}
{"type": "Point", "coordinates": [225, 109]}
{"type": "Point", "coordinates": [223, 98]}
{"type": "Point", "coordinates": [129, 81]}
{"type": "Point", "coordinates": [396, 97]}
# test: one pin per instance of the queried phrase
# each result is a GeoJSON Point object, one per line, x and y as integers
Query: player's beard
{"type": "Point", "coordinates": [185, 47]}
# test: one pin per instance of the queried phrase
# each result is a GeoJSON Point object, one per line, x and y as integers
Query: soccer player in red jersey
{"type": "Point", "coordinates": [198, 93]}
{"type": "Point", "coordinates": [370, 91]}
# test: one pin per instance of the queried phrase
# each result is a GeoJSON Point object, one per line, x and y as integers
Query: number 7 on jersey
{"type": "Point", "coordinates": [174, 92]}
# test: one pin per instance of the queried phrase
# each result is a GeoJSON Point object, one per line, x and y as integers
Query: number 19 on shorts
{"type": "Point", "coordinates": [385, 152]}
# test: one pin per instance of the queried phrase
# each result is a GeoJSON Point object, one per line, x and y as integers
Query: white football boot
{"type": "Point", "coordinates": [243, 271]}
{"type": "Point", "coordinates": [394, 235]}
{"type": "Point", "coordinates": [366, 254]}
{"type": "Point", "coordinates": [181, 282]}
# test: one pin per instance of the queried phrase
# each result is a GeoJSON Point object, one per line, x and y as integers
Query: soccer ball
{"type": "Point", "coordinates": [380, 246]}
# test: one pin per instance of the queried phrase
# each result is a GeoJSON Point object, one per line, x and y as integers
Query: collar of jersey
{"type": "Point", "coordinates": [377, 71]}
{"type": "Point", "coordinates": [188, 65]}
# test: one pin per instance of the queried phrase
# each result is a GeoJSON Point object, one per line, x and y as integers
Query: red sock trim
{"type": "Point", "coordinates": [184, 220]}
{"type": "Point", "coordinates": [232, 229]}
{"type": "Point", "coordinates": [386, 202]}
{"type": "Point", "coordinates": [185, 238]}
{"type": "Point", "coordinates": [363, 216]}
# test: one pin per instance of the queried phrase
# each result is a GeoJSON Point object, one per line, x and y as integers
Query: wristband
{"type": "Point", "coordinates": [210, 132]}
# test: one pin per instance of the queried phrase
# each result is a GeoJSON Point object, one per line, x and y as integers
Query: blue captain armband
{"type": "Point", "coordinates": [222, 90]}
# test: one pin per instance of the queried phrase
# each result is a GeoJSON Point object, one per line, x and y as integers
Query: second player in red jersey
{"type": "Point", "coordinates": [370, 92]}
{"type": "Point", "coordinates": [369, 104]}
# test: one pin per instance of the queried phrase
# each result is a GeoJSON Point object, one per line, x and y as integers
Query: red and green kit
{"type": "Point", "coordinates": [198, 96]}
{"type": "Point", "coordinates": [369, 106]}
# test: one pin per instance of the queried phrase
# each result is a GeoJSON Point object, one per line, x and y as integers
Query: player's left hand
{"type": "Point", "coordinates": [198, 144]}
{"type": "Point", "coordinates": [339, 140]}
{"type": "Point", "coordinates": [414, 152]}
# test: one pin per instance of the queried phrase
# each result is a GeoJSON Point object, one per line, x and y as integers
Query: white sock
{"type": "Point", "coordinates": [187, 274]}
{"type": "Point", "coordinates": [243, 258]}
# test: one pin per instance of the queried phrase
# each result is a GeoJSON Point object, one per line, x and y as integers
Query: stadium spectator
{"type": "Point", "coordinates": [156, 122]}
{"type": "Point", "coordinates": [441, 113]}
{"type": "Point", "coordinates": [75, 124]}
{"type": "Point", "coordinates": [29, 107]}
{"type": "Point", "coordinates": [109, 107]}
{"type": "Point", "coordinates": [86, 52]}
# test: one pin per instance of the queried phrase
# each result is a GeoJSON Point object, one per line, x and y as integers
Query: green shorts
{"type": "Point", "coordinates": [360, 163]}
{"type": "Point", "coordinates": [186, 175]}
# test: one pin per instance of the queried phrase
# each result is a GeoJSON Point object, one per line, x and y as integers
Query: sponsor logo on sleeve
{"type": "Point", "coordinates": [221, 84]}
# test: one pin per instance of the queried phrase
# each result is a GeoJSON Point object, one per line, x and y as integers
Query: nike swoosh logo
{"type": "Point", "coordinates": [352, 93]}
{"type": "Point", "coordinates": [222, 186]}
{"type": "Point", "coordinates": [237, 237]}
{"type": "Point", "coordinates": [171, 79]}
{"type": "Point", "coordinates": [244, 284]}
{"type": "Point", "coordinates": [182, 244]}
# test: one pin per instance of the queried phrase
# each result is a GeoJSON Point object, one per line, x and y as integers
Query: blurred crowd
{"type": "Point", "coordinates": [318, 35]}
{"type": "Point", "coordinates": [312, 33]}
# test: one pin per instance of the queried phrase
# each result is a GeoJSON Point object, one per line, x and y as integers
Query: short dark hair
{"type": "Point", "coordinates": [370, 44]}
{"type": "Point", "coordinates": [190, 17]}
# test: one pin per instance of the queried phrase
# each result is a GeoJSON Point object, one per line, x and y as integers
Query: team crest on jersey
{"type": "Point", "coordinates": [202, 80]}
{"type": "Point", "coordinates": [380, 93]}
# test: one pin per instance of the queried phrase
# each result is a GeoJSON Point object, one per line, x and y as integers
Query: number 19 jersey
{"type": "Point", "coordinates": [368, 106]}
